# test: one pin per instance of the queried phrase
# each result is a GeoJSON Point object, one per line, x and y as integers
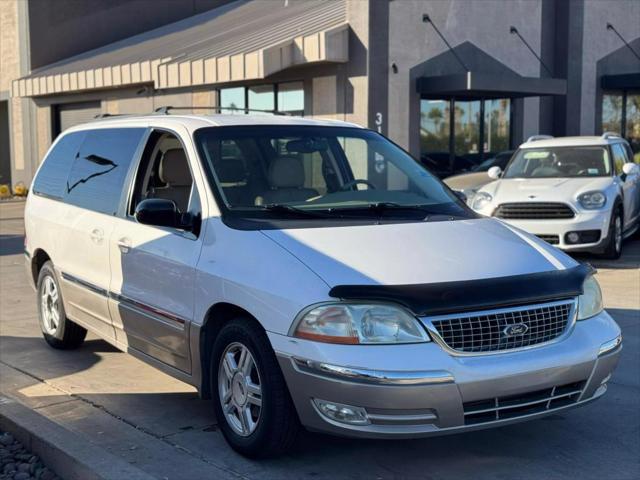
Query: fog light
{"type": "Point", "coordinates": [573, 237]}
{"type": "Point", "coordinates": [342, 413]}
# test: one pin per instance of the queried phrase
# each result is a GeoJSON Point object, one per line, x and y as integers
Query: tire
{"type": "Point", "coordinates": [58, 331]}
{"type": "Point", "coordinates": [613, 250]}
{"type": "Point", "coordinates": [272, 426]}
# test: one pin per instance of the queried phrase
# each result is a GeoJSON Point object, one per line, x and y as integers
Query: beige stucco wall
{"type": "Point", "coordinates": [9, 50]}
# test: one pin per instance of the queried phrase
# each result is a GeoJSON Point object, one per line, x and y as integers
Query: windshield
{"type": "Point", "coordinates": [318, 172]}
{"type": "Point", "coordinates": [559, 162]}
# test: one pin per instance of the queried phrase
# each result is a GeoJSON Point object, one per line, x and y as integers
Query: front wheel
{"type": "Point", "coordinates": [252, 404]}
{"type": "Point", "coordinates": [613, 250]}
{"type": "Point", "coordinates": [57, 329]}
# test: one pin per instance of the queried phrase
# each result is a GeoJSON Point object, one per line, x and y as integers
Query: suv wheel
{"type": "Point", "coordinates": [613, 249]}
{"type": "Point", "coordinates": [57, 329]}
{"type": "Point", "coordinates": [250, 398]}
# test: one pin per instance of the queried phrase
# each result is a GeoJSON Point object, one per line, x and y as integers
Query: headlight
{"type": "Point", "coordinates": [592, 200]}
{"type": "Point", "coordinates": [590, 302]}
{"type": "Point", "coordinates": [481, 200]}
{"type": "Point", "coordinates": [360, 324]}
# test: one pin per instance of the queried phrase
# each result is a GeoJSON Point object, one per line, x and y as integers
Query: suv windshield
{"type": "Point", "coordinates": [559, 162]}
{"type": "Point", "coordinates": [317, 173]}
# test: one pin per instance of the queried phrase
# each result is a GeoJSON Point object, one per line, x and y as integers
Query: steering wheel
{"type": "Point", "coordinates": [355, 182]}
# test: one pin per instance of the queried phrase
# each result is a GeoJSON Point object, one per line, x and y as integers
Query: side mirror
{"type": "Point", "coordinates": [494, 173]}
{"type": "Point", "coordinates": [461, 195]}
{"type": "Point", "coordinates": [159, 212]}
{"type": "Point", "coordinates": [630, 168]}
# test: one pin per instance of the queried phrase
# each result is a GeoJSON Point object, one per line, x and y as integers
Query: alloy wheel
{"type": "Point", "coordinates": [240, 389]}
{"type": "Point", "coordinates": [618, 233]}
{"type": "Point", "coordinates": [50, 307]}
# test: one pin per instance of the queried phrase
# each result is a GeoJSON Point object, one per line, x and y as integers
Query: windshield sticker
{"type": "Point", "coordinates": [593, 171]}
{"type": "Point", "coordinates": [530, 155]}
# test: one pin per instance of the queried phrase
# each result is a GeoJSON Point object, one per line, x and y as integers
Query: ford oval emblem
{"type": "Point", "coordinates": [515, 329]}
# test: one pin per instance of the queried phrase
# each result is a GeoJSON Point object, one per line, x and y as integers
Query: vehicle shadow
{"type": "Point", "coordinates": [629, 260]}
{"type": "Point", "coordinates": [11, 244]}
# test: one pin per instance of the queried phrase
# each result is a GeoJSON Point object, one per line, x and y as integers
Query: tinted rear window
{"type": "Point", "coordinates": [98, 173]}
{"type": "Point", "coordinates": [51, 180]}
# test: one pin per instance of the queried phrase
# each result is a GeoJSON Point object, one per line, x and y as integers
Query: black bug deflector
{"type": "Point", "coordinates": [468, 295]}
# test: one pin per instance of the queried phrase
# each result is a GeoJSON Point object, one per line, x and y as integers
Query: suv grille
{"type": "Point", "coordinates": [551, 239]}
{"type": "Point", "coordinates": [513, 406]}
{"type": "Point", "coordinates": [533, 211]}
{"type": "Point", "coordinates": [504, 329]}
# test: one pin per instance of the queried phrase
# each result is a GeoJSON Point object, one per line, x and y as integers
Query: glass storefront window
{"type": "Point", "coordinates": [481, 128]}
{"type": "Point", "coordinates": [231, 99]}
{"type": "Point", "coordinates": [467, 129]}
{"type": "Point", "coordinates": [434, 125]}
{"type": "Point", "coordinates": [291, 98]}
{"type": "Point", "coordinates": [632, 126]}
{"type": "Point", "coordinates": [621, 114]}
{"type": "Point", "coordinates": [261, 98]}
{"type": "Point", "coordinates": [612, 112]}
{"type": "Point", "coordinates": [496, 126]}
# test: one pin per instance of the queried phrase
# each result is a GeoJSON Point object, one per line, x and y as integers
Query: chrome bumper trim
{"type": "Point", "coordinates": [609, 346]}
{"type": "Point", "coordinates": [378, 377]}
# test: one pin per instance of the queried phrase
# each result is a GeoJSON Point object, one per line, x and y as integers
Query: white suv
{"type": "Point", "coordinates": [581, 194]}
{"type": "Point", "coordinates": [303, 272]}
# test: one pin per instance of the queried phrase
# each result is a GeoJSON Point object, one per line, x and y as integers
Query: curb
{"type": "Point", "coordinates": [67, 454]}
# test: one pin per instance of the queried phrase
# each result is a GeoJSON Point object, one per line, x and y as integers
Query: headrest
{"type": "Point", "coordinates": [231, 171]}
{"type": "Point", "coordinates": [286, 172]}
{"type": "Point", "coordinates": [174, 168]}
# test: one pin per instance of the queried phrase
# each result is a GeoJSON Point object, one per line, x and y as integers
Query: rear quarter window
{"type": "Point", "coordinates": [98, 173]}
{"type": "Point", "coordinates": [51, 180]}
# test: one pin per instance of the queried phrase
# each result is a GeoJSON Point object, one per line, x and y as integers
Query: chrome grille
{"type": "Point", "coordinates": [502, 329]}
{"type": "Point", "coordinates": [513, 406]}
{"type": "Point", "coordinates": [533, 211]}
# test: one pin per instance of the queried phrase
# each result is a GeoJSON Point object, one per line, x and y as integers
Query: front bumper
{"type": "Point", "coordinates": [420, 390]}
{"type": "Point", "coordinates": [591, 220]}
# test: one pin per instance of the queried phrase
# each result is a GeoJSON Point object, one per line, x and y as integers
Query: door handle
{"type": "Point", "coordinates": [97, 235]}
{"type": "Point", "coordinates": [124, 244]}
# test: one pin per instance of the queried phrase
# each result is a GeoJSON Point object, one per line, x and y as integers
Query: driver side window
{"type": "Point", "coordinates": [164, 173]}
{"type": "Point", "coordinates": [619, 158]}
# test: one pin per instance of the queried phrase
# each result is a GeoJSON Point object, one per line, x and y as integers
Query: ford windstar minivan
{"type": "Point", "coordinates": [307, 273]}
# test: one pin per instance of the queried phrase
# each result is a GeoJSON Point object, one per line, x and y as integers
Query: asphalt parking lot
{"type": "Point", "coordinates": [158, 424]}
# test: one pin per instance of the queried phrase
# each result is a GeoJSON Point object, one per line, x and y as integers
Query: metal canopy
{"type": "Point", "coordinates": [625, 81]}
{"type": "Point", "coordinates": [471, 85]}
{"type": "Point", "coordinates": [242, 40]}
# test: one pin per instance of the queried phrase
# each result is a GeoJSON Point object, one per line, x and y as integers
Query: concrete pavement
{"type": "Point", "coordinates": [158, 424]}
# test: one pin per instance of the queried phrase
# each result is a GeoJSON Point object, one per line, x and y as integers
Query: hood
{"type": "Point", "coordinates": [544, 189]}
{"type": "Point", "coordinates": [419, 253]}
{"type": "Point", "coordinates": [468, 181]}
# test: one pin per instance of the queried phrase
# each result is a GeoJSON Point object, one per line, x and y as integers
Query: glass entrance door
{"type": "Point", "coordinates": [458, 135]}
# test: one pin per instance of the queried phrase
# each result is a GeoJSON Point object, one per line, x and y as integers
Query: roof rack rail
{"type": "Point", "coordinates": [535, 138]}
{"type": "Point", "coordinates": [607, 135]}
{"type": "Point", "coordinates": [166, 109]}
{"type": "Point", "coordinates": [107, 115]}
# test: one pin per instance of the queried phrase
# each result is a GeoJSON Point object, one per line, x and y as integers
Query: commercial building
{"type": "Point", "coordinates": [472, 79]}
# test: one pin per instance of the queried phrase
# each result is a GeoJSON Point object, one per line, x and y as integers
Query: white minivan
{"type": "Point", "coordinates": [307, 273]}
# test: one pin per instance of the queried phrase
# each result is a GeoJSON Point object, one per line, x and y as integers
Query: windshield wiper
{"type": "Point", "coordinates": [290, 209]}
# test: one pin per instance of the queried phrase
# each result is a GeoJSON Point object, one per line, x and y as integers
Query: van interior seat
{"type": "Point", "coordinates": [286, 178]}
{"type": "Point", "coordinates": [175, 174]}
{"type": "Point", "coordinates": [233, 177]}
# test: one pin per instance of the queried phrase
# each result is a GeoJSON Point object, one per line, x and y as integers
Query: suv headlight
{"type": "Point", "coordinates": [360, 324]}
{"type": "Point", "coordinates": [592, 200]}
{"type": "Point", "coordinates": [481, 200]}
{"type": "Point", "coordinates": [590, 302]}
